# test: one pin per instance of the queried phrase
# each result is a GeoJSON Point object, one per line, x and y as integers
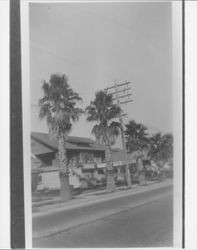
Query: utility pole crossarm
{"type": "Point", "coordinates": [126, 101]}
{"type": "Point", "coordinates": [118, 85]}
{"type": "Point", "coordinates": [120, 91]}
{"type": "Point", "coordinates": [122, 96]}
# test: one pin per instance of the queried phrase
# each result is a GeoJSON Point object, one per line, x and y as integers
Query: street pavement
{"type": "Point", "coordinates": [81, 212]}
{"type": "Point", "coordinates": [147, 225]}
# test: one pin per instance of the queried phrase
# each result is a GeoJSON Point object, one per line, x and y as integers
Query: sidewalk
{"type": "Point", "coordinates": [50, 206]}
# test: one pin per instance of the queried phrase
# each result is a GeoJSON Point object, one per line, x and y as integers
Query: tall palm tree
{"type": "Point", "coordinates": [103, 112]}
{"type": "Point", "coordinates": [58, 106]}
{"type": "Point", "coordinates": [136, 135]}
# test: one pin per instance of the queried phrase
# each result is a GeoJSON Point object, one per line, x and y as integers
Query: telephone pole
{"type": "Point", "coordinates": [122, 88]}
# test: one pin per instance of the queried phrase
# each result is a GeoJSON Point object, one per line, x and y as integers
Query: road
{"type": "Point", "coordinates": [148, 225]}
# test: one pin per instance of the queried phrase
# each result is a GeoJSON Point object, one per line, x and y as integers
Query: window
{"type": "Point", "coordinates": [87, 157]}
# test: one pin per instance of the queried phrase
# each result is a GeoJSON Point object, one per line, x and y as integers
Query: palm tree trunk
{"type": "Point", "coordinates": [141, 173]}
{"type": "Point", "coordinates": [110, 171]}
{"type": "Point", "coordinates": [65, 191]}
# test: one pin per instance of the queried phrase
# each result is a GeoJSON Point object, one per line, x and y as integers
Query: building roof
{"type": "Point", "coordinates": [41, 143]}
{"type": "Point", "coordinates": [38, 148]}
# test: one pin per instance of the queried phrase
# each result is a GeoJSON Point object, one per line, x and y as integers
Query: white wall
{"type": "Point", "coordinates": [49, 180]}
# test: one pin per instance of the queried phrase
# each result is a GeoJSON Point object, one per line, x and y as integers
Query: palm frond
{"type": "Point", "coordinates": [98, 132]}
{"type": "Point", "coordinates": [58, 104]}
{"type": "Point", "coordinates": [136, 135]}
{"type": "Point", "coordinates": [102, 108]}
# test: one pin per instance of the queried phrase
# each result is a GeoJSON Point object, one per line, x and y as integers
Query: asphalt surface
{"type": "Point", "coordinates": [55, 221]}
{"type": "Point", "coordinates": [148, 225]}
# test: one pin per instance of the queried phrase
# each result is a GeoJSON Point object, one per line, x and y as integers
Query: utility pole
{"type": "Point", "coordinates": [124, 88]}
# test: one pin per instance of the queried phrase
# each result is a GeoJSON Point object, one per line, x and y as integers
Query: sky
{"type": "Point", "coordinates": [97, 44]}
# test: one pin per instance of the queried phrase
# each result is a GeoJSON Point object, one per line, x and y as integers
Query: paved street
{"type": "Point", "coordinates": [147, 225]}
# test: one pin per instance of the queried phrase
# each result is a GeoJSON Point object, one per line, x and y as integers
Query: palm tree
{"type": "Point", "coordinates": [167, 146]}
{"type": "Point", "coordinates": [58, 106]}
{"type": "Point", "coordinates": [161, 148]}
{"type": "Point", "coordinates": [103, 112]}
{"type": "Point", "coordinates": [155, 147]}
{"type": "Point", "coordinates": [136, 139]}
{"type": "Point", "coordinates": [136, 135]}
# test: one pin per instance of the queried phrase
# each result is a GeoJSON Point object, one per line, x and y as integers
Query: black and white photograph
{"type": "Point", "coordinates": [102, 119]}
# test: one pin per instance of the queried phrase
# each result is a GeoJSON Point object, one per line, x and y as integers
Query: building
{"type": "Point", "coordinates": [86, 152]}
{"type": "Point", "coordinates": [82, 149]}
{"type": "Point", "coordinates": [88, 155]}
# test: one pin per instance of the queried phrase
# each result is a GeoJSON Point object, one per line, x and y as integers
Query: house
{"type": "Point", "coordinates": [89, 157]}
{"type": "Point", "coordinates": [82, 149]}
{"type": "Point", "coordinates": [86, 152]}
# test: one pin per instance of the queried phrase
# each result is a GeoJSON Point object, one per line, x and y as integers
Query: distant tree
{"type": "Point", "coordinates": [161, 148]}
{"type": "Point", "coordinates": [168, 146]}
{"type": "Point", "coordinates": [136, 135]}
{"type": "Point", "coordinates": [58, 106]}
{"type": "Point", "coordinates": [103, 112]}
{"type": "Point", "coordinates": [155, 145]}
